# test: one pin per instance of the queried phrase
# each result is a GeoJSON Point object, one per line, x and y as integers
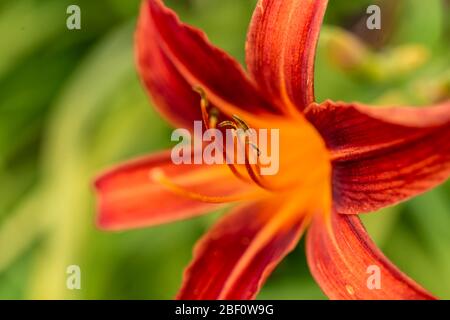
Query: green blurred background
{"type": "Point", "coordinates": [71, 104]}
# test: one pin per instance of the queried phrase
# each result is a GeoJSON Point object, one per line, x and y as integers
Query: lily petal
{"type": "Point", "coordinates": [172, 94]}
{"type": "Point", "coordinates": [199, 62]}
{"type": "Point", "coordinates": [131, 195]}
{"type": "Point", "coordinates": [281, 46]}
{"type": "Point", "coordinates": [234, 259]}
{"type": "Point", "coordinates": [382, 156]}
{"type": "Point", "coordinates": [346, 263]}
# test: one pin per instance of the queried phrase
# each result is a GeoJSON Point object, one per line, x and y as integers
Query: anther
{"type": "Point", "coordinates": [211, 116]}
{"type": "Point", "coordinates": [240, 124]}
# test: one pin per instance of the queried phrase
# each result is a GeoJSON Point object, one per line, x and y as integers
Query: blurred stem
{"type": "Point", "coordinates": [25, 25]}
{"type": "Point", "coordinates": [68, 199]}
{"type": "Point", "coordinates": [22, 228]}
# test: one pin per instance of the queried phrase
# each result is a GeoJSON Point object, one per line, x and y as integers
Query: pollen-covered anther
{"type": "Point", "coordinates": [210, 118]}
{"type": "Point", "coordinates": [243, 132]}
{"type": "Point", "coordinates": [253, 170]}
{"type": "Point", "coordinates": [239, 126]}
{"type": "Point", "coordinates": [209, 115]}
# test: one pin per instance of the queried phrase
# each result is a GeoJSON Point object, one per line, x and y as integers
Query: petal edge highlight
{"type": "Point", "coordinates": [236, 256]}
{"type": "Point", "coordinates": [339, 255]}
{"type": "Point", "coordinates": [382, 156]}
{"type": "Point", "coordinates": [281, 46]}
{"type": "Point", "coordinates": [204, 65]}
{"type": "Point", "coordinates": [171, 93]}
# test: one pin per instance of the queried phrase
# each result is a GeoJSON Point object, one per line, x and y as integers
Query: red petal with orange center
{"type": "Point", "coordinates": [347, 265]}
{"type": "Point", "coordinates": [132, 196]}
{"type": "Point", "coordinates": [382, 156]}
{"type": "Point", "coordinates": [234, 259]}
{"type": "Point", "coordinates": [281, 48]}
{"type": "Point", "coordinates": [200, 63]}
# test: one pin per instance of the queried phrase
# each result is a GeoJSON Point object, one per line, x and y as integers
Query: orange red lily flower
{"type": "Point", "coordinates": [337, 159]}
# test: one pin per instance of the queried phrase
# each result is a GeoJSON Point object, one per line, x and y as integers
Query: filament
{"type": "Point", "coordinates": [159, 176]}
{"type": "Point", "coordinates": [210, 121]}
{"type": "Point", "coordinates": [209, 118]}
{"type": "Point", "coordinates": [255, 174]}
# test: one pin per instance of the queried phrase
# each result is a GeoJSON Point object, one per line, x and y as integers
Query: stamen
{"type": "Point", "coordinates": [236, 172]}
{"type": "Point", "coordinates": [228, 123]}
{"type": "Point", "coordinates": [254, 173]}
{"type": "Point", "coordinates": [254, 146]}
{"type": "Point", "coordinates": [209, 118]}
{"type": "Point", "coordinates": [203, 104]}
{"type": "Point", "coordinates": [241, 124]}
{"type": "Point", "coordinates": [232, 167]}
{"type": "Point", "coordinates": [159, 176]}
{"type": "Point", "coordinates": [210, 121]}
{"type": "Point", "coordinates": [213, 117]}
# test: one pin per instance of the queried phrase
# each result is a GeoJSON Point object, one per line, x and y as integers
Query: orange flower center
{"type": "Point", "coordinates": [304, 174]}
{"type": "Point", "coordinates": [297, 151]}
